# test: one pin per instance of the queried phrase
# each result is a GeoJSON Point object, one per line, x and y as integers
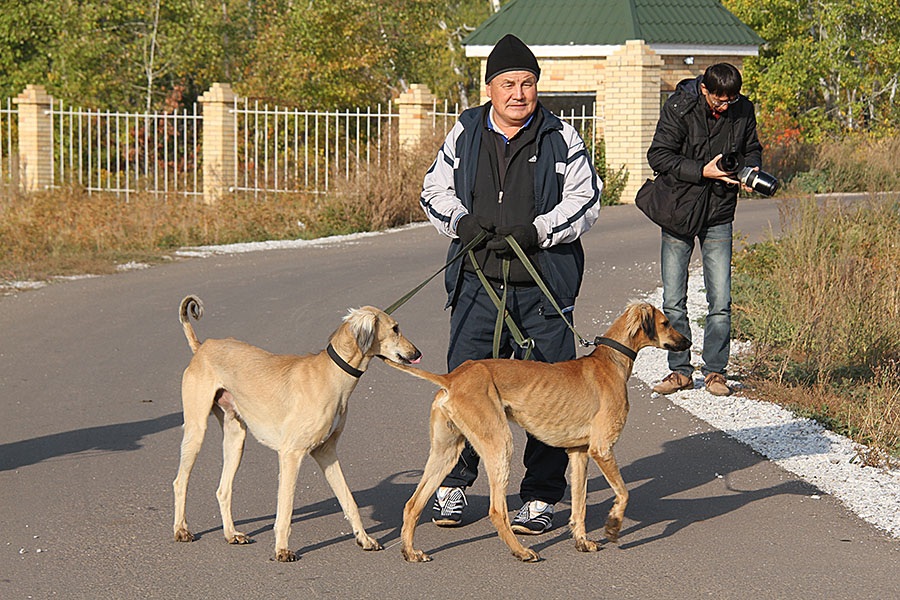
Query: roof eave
{"type": "Point", "coordinates": [594, 50]}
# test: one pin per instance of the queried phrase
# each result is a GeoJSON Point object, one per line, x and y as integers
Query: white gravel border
{"type": "Point", "coordinates": [799, 445]}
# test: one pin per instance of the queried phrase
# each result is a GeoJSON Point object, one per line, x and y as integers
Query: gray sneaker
{"type": "Point", "coordinates": [534, 518]}
{"type": "Point", "coordinates": [448, 506]}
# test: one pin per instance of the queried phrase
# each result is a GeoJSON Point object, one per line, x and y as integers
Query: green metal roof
{"type": "Point", "coordinates": [611, 22]}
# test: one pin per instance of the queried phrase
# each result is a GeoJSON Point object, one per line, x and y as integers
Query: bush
{"type": "Point", "coordinates": [854, 164]}
{"type": "Point", "coordinates": [378, 196]}
{"type": "Point", "coordinates": [613, 180]}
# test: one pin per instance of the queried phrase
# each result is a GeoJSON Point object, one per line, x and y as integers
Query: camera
{"type": "Point", "coordinates": [730, 162]}
{"type": "Point", "coordinates": [758, 181]}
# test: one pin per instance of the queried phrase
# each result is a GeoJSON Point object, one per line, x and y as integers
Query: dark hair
{"type": "Point", "coordinates": [723, 79]}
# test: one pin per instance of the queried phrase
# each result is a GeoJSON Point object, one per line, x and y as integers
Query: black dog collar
{"type": "Point", "coordinates": [611, 343]}
{"type": "Point", "coordinates": [353, 372]}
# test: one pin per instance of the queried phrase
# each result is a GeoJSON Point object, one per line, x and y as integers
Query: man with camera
{"type": "Point", "coordinates": [704, 121]}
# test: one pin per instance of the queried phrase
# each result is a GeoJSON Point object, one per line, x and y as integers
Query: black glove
{"type": "Point", "coordinates": [469, 226]}
{"type": "Point", "coordinates": [525, 235]}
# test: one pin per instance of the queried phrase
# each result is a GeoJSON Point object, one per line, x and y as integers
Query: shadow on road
{"type": "Point", "coordinates": [684, 465]}
{"type": "Point", "coordinates": [121, 436]}
{"type": "Point", "coordinates": [663, 496]}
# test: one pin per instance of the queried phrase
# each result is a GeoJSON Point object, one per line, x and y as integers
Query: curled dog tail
{"type": "Point", "coordinates": [194, 306]}
{"type": "Point", "coordinates": [439, 380]}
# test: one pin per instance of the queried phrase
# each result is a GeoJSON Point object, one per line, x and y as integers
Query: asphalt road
{"type": "Point", "coordinates": [90, 376]}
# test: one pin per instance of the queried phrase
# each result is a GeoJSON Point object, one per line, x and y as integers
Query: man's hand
{"type": "Point", "coordinates": [525, 235]}
{"type": "Point", "coordinates": [469, 226]}
{"type": "Point", "coordinates": [711, 171]}
{"type": "Point", "coordinates": [747, 189]}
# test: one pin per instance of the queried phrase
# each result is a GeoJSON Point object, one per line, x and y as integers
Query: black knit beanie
{"type": "Point", "coordinates": [510, 54]}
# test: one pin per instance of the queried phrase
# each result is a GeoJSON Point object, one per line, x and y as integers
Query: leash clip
{"type": "Point", "coordinates": [587, 343]}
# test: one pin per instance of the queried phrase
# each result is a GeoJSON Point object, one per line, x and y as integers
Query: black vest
{"type": "Point", "coordinates": [504, 192]}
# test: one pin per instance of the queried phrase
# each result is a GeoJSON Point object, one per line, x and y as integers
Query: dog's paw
{"type": "Point", "coordinates": [613, 525]}
{"type": "Point", "coordinates": [183, 535]}
{"type": "Point", "coordinates": [585, 545]}
{"type": "Point", "coordinates": [285, 556]}
{"type": "Point", "coordinates": [239, 539]}
{"type": "Point", "coordinates": [368, 544]}
{"type": "Point", "coordinates": [528, 555]}
{"type": "Point", "coordinates": [415, 555]}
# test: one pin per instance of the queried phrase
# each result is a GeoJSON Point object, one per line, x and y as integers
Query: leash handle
{"type": "Point", "coordinates": [468, 247]}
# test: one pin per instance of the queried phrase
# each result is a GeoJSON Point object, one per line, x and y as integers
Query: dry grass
{"type": "Point", "coordinates": [822, 306]}
{"type": "Point", "coordinates": [66, 232]}
{"type": "Point", "coordinates": [854, 164]}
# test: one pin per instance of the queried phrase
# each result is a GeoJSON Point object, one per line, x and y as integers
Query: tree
{"type": "Point", "coordinates": [828, 66]}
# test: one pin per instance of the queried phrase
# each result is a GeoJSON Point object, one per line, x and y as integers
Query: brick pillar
{"type": "Point", "coordinates": [219, 167]}
{"type": "Point", "coordinates": [415, 124]}
{"type": "Point", "coordinates": [35, 138]}
{"type": "Point", "coordinates": [631, 100]}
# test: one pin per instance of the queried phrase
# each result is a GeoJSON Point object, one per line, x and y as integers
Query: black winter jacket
{"type": "Point", "coordinates": [682, 145]}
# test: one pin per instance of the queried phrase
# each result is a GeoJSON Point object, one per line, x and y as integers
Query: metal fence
{"type": "Point", "coordinates": [276, 149]}
{"type": "Point", "coordinates": [280, 149]}
{"type": "Point", "coordinates": [108, 151]}
{"type": "Point", "coordinates": [8, 143]}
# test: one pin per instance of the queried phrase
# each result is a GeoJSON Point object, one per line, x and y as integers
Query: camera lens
{"type": "Point", "coordinates": [731, 162]}
{"type": "Point", "coordinates": [759, 181]}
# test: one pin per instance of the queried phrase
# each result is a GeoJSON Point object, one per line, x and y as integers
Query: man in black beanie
{"type": "Point", "coordinates": [510, 167]}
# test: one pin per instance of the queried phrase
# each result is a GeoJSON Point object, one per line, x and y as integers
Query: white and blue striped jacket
{"type": "Point", "coordinates": [567, 196]}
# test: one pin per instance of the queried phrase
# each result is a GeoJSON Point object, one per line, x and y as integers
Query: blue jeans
{"type": "Point", "coordinates": [715, 248]}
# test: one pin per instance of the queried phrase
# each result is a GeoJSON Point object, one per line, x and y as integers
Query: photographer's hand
{"type": "Point", "coordinates": [711, 171]}
{"type": "Point", "coordinates": [749, 190]}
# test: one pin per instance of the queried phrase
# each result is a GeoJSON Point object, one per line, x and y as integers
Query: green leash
{"type": "Point", "coordinates": [467, 248]}
{"type": "Point", "coordinates": [543, 287]}
{"type": "Point", "coordinates": [502, 313]}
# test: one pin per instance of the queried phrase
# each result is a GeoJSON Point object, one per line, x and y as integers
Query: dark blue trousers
{"type": "Point", "coordinates": [471, 338]}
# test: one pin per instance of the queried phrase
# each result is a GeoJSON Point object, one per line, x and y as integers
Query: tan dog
{"type": "Point", "coordinates": [292, 404]}
{"type": "Point", "coordinates": [579, 405]}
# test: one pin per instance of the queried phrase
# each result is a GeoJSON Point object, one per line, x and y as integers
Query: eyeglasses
{"type": "Point", "coordinates": [716, 102]}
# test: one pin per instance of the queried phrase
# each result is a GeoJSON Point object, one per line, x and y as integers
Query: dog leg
{"type": "Point", "coordinates": [446, 444]}
{"type": "Point", "coordinates": [234, 433]}
{"type": "Point", "coordinates": [288, 467]}
{"type": "Point", "coordinates": [496, 453]}
{"type": "Point", "coordinates": [607, 463]}
{"type": "Point", "coordinates": [192, 439]}
{"type": "Point", "coordinates": [578, 477]}
{"type": "Point", "coordinates": [326, 457]}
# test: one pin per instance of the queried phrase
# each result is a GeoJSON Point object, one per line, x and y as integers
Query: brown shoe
{"type": "Point", "coordinates": [673, 382]}
{"type": "Point", "coordinates": [716, 385]}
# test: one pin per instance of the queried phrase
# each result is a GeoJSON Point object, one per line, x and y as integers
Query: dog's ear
{"type": "Point", "coordinates": [362, 326]}
{"type": "Point", "coordinates": [640, 319]}
{"type": "Point", "coordinates": [648, 320]}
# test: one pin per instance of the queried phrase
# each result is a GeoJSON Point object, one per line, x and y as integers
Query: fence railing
{"type": "Point", "coordinates": [8, 143]}
{"type": "Point", "coordinates": [120, 152]}
{"type": "Point", "coordinates": [275, 149]}
{"type": "Point", "coordinates": [279, 149]}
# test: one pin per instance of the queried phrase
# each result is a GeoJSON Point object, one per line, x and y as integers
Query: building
{"type": "Point", "coordinates": [621, 58]}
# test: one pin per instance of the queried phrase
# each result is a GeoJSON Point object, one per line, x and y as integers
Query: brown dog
{"type": "Point", "coordinates": [579, 405]}
{"type": "Point", "coordinates": [292, 404]}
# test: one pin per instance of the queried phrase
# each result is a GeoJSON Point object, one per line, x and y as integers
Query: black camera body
{"type": "Point", "coordinates": [757, 180]}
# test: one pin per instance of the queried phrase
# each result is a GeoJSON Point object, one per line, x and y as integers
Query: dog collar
{"type": "Point", "coordinates": [611, 343]}
{"type": "Point", "coordinates": [352, 371]}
